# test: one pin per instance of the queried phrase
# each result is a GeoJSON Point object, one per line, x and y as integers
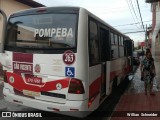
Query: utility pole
{"type": "Point", "coordinates": [146, 41]}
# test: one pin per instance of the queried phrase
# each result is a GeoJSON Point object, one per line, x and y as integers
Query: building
{"type": "Point", "coordinates": [149, 38]}
{"type": "Point", "coordinates": [11, 6]}
{"type": "Point", "coordinates": [155, 8]}
{"type": "Point", "coordinates": [155, 41]}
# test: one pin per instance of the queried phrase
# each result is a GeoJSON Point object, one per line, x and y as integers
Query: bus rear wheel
{"type": "Point", "coordinates": [114, 85]}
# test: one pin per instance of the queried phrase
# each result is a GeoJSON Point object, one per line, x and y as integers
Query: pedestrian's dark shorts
{"type": "Point", "coordinates": [152, 76]}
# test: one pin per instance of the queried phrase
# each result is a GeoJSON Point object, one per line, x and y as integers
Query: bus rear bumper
{"type": "Point", "coordinates": [70, 108]}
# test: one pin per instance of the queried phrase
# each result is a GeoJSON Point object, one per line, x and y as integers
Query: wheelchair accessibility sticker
{"type": "Point", "coordinates": [70, 71]}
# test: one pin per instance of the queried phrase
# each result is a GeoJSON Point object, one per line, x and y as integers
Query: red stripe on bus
{"type": "Point", "coordinates": [20, 85]}
{"type": "Point", "coordinates": [23, 57]}
{"type": "Point", "coordinates": [94, 88]}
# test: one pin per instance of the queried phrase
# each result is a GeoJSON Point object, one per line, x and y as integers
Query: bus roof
{"type": "Point", "coordinates": [41, 10]}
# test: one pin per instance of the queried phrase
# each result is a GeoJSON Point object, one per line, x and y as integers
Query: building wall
{"type": "Point", "coordinates": [156, 29]}
{"type": "Point", "coordinates": [156, 39]}
{"type": "Point", "coordinates": [9, 7]}
{"type": "Point", "coordinates": [153, 16]}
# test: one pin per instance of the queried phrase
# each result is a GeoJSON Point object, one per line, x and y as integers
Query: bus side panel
{"type": "Point", "coordinates": [94, 86]}
{"type": "Point", "coordinates": [108, 86]}
{"type": "Point", "coordinates": [115, 68]}
{"type": "Point", "coordinates": [81, 64]}
{"type": "Point", "coordinates": [119, 68]}
{"type": "Point", "coordinates": [91, 76]}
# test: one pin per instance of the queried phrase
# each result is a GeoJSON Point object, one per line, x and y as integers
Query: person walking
{"type": "Point", "coordinates": [148, 72]}
{"type": "Point", "coordinates": [142, 56]}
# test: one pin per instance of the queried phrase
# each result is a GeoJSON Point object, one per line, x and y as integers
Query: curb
{"type": "Point", "coordinates": [1, 80]}
{"type": "Point", "coordinates": [3, 106]}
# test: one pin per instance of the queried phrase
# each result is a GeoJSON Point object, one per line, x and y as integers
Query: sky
{"type": "Point", "coordinates": [118, 13]}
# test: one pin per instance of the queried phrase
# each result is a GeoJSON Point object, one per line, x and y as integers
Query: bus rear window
{"type": "Point", "coordinates": [47, 31]}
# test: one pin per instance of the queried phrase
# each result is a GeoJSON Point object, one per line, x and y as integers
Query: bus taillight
{"type": "Point", "coordinates": [76, 86]}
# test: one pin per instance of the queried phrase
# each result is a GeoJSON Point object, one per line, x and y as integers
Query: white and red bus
{"type": "Point", "coordinates": [62, 59]}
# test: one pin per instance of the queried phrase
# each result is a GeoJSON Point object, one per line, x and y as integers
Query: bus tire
{"type": "Point", "coordinates": [114, 85]}
{"type": "Point", "coordinates": [126, 78]}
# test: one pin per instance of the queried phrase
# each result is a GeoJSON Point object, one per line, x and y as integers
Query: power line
{"type": "Point", "coordinates": [114, 8]}
{"type": "Point", "coordinates": [135, 3]}
{"type": "Point", "coordinates": [131, 12]}
{"type": "Point", "coordinates": [111, 11]}
{"type": "Point", "coordinates": [133, 9]}
{"type": "Point", "coordinates": [129, 29]}
{"type": "Point", "coordinates": [140, 15]}
{"type": "Point", "coordinates": [133, 32]}
{"type": "Point", "coordinates": [131, 23]}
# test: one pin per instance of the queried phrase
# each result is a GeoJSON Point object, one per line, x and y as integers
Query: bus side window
{"type": "Point", "coordinates": [116, 39]}
{"type": "Point", "coordinates": [112, 38]}
{"type": "Point", "coordinates": [121, 47]}
{"type": "Point", "coordinates": [93, 44]}
{"type": "Point", "coordinates": [114, 48]}
{"type": "Point", "coordinates": [122, 39]}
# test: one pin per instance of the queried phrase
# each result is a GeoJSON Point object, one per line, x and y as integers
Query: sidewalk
{"type": "Point", "coordinates": [135, 102]}
{"type": "Point", "coordinates": [1, 79]}
{"type": "Point", "coordinates": [1, 74]}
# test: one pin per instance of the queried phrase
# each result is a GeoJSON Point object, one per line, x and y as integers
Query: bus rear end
{"type": "Point", "coordinates": [40, 60]}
